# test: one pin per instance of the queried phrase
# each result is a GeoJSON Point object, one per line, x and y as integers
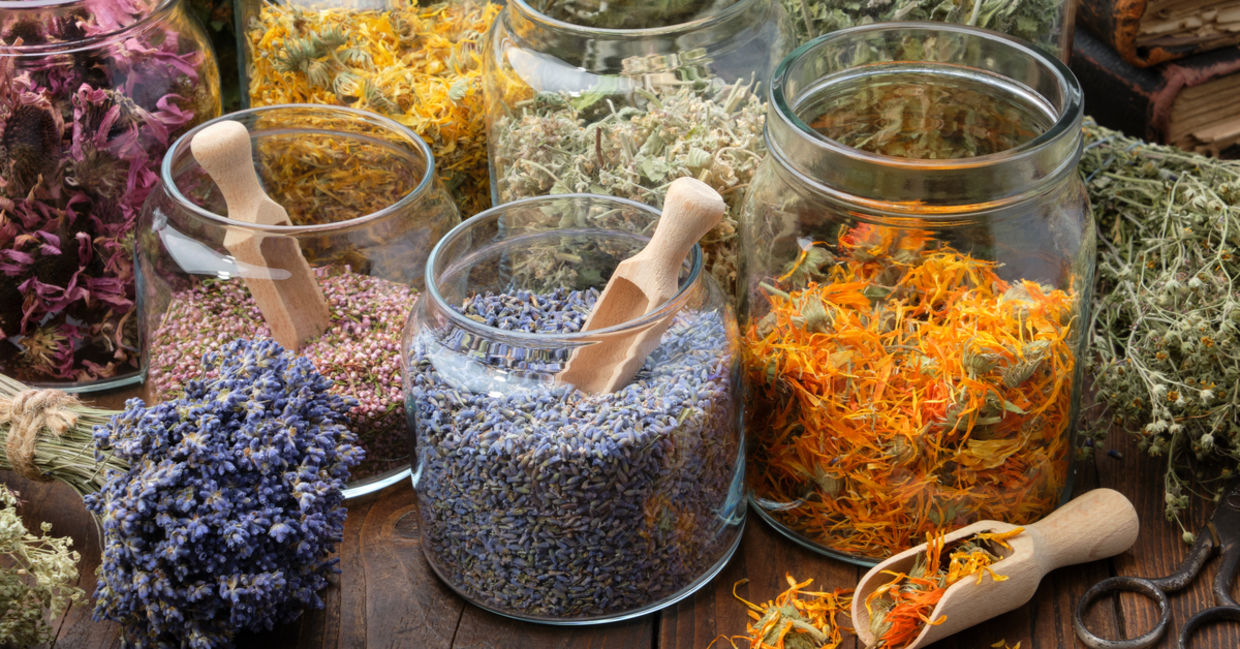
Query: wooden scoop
{"type": "Point", "coordinates": [1098, 524]}
{"type": "Point", "coordinates": [293, 308]}
{"type": "Point", "coordinates": [641, 284]}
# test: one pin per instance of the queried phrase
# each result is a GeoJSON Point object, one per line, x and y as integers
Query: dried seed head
{"type": "Point", "coordinates": [32, 143]}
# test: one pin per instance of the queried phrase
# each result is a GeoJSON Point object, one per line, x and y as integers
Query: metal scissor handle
{"type": "Point", "coordinates": [1203, 549]}
{"type": "Point", "coordinates": [1228, 609]}
{"type": "Point", "coordinates": [1115, 585]}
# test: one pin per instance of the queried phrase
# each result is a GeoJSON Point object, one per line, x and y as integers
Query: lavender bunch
{"type": "Point", "coordinates": [232, 504]}
{"type": "Point", "coordinates": [219, 509]}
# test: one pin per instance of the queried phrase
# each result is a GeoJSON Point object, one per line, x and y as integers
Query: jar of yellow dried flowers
{"type": "Point", "coordinates": [622, 97]}
{"type": "Point", "coordinates": [92, 92]}
{"type": "Point", "coordinates": [364, 210]}
{"type": "Point", "coordinates": [919, 255]}
{"type": "Point", "coordinates": [415, 61]}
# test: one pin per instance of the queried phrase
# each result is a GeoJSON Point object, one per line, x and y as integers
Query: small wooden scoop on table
{"type": "Point", "coordinates": [293, 307]}
{"type": "Point", "coordinates": [639, 285]}
{"type": "Point", "coordinates": [1098, 524]}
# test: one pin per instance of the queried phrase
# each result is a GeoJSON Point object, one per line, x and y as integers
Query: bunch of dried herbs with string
{"type": "Point", "coordinates": [900, 608]}
{"type": "Point", "coordinates": [1166, 323]}
{"type": "Point", "coordinates": [796, 619]}
{"type": "Point", "coordinates": [898, 386]}
{"type": "Point", "coordinates": [416, 63]}
{"type": "Point", "coordinates": [1037, 21]}
{"type": "Point", "coordinates": [38, 577]}
{"type": "Point", "coordinates": [634, 146]}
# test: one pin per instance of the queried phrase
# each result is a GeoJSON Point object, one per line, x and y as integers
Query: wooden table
{"type": "Point", "coordinates": [387, 596]}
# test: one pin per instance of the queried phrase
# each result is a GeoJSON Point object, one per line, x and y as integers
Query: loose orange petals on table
{"type": "Point", "coordinates": [906, 388]}
{"type": "Point", "coordinates": [901, 608]}
{"type": "Point", "coordinates": [795, 619]}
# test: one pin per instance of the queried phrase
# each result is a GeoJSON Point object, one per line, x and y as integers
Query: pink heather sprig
{"type": "Point", "coordinates": [81, 138]}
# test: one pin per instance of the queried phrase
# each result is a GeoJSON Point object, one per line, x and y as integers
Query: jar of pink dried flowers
{"type": "Point", "coordinates": [92, 92]}
{"type": "Point", "coordinates": [363, 209]}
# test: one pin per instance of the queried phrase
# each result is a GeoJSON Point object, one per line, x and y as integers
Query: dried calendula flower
{"type": "Point", "coordinates": [796, 618]}
{"type": "Point", "coordinates": [38, 577]}
{"type": "Point", "coordinates": [417, 63]}
{"type": "Point", "coordinates": [901, 608]}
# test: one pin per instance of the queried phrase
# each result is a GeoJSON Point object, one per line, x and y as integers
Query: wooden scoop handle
{"type": "Point", "coordinates": [223, 150]}
{"type": "Point", "coordinates": [293, 308]}
{"type": "Point", "coordinates": [1099, 524]}
{"type": "Point", "coordinates": [690, 210]}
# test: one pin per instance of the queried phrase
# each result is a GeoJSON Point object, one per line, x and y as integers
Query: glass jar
{"type": "Point", "coordinates": [621, 98]}
{"type": "Point", "coordinates": [1048, 24]}
{"type": "Point", "coordinates": [91, 95]}
{"type": "Point", "coordinates": [415, 62]}
{"type": "Point", "coordinates": [538, 501]}
{"type": "Point", "coordinates": [920, 254]}
{"type": "Point", "coordinates": [365, 209]}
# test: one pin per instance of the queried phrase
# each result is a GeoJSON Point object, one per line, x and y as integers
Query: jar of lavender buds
{"type": "Point", "coordinates": [539, 501]}
{"type": "Point", "coordinates": [92, 92]}
{"type": "Point", "coordinates": [622, 97]}
{"type": "Point", "coordinates": [364, 209]}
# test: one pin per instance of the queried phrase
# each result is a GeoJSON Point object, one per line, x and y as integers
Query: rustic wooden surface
{"type": "Point", "coordinates": [387, 596]}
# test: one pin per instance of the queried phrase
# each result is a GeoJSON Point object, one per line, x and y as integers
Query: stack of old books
{"type": "Point", "coordinates": [1164, 70]}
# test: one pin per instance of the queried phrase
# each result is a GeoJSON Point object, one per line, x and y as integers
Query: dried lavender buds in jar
{"type": "Point", "coordinates": [360, 351]}
{"type": "Point", "coordinates": [545, 503]}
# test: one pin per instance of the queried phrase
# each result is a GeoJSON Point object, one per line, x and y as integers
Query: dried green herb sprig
{"type": "Point", "coordinates": [39, 577]}
{"type": "Point", "coordinates": [1166, 318]}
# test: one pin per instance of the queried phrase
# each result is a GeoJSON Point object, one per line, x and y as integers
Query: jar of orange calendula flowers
{"type": "Point", "coordinates": [417, 62]}
{"type": "Point", "coordinates": [914, 301]}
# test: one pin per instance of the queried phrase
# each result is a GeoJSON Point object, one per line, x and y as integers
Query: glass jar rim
{"type": "Point", "coordinates": [464, 228]}
{"type": "Point", "coordinates": [1066, 118]}
{"type": "Point", "coordinates": [40, 49]}
{"type": "Point", "coordinates": [729, 12]}
{"type": "Point", "coordinates": [417, 144]}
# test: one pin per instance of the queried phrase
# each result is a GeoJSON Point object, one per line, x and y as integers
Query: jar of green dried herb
{"type": "Point", "coordinates": [414, 61]}
{"type": "Point", "coordinates": [620, 98]}
{"type": "Point", "coordinates": [537, 500]}
{"type": "Point", "coordinates": [364, 210]}
{"type": "Point", "coordinates": [92, 93]}
{"type": "Point", "coordinates": [1047, 24]}
{"type": "Point", "coordinates": [919, 256]}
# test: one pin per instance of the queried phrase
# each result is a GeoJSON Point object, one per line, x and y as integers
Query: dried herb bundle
{"type": "Point", "coordinates": [560, 143]}
{"type": "Point", "coordinates": [38, 576]}
{"type": "Point", "coordinates": [1166, 318]}
{"type": "Point", "coordinates": [1038, 21]}
{"type": "Point", "coordinates": [416, 63]}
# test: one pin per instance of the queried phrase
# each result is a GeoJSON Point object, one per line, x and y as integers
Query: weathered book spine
{"type": "Point", "coordinates": [1116, 23]}
{"type": "Point", "coordinates": [1137, 100]}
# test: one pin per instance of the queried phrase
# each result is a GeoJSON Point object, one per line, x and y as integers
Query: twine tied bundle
{"type": "Point", "coordinates": [27, 413]}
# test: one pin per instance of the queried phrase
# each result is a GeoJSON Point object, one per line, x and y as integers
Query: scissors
{"type": "Point", "coordinates": [1221, 534]}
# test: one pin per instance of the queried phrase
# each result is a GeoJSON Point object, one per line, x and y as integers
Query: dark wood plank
{"type": "Point", "coordinates": [387, 596]}
{"type": "Point", "coordinates": [764, 558]}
